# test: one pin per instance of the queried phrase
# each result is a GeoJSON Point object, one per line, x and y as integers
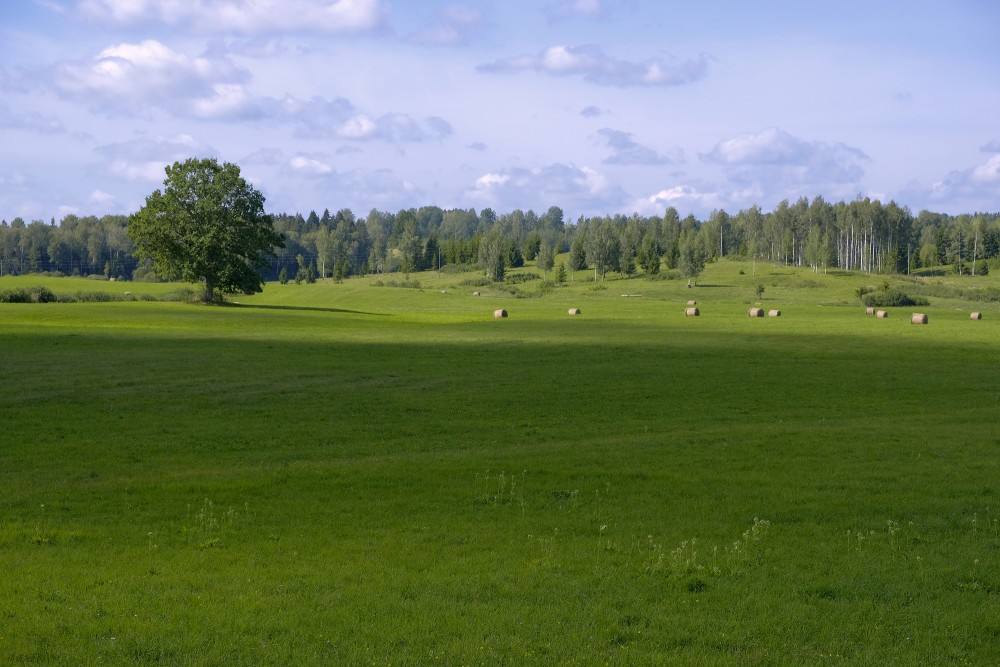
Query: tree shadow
{"type": "Point", "coordinates": [301, 308]}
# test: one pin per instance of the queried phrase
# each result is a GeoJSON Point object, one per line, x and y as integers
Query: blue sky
{"type": "Point", "coordinates": [595, 106]}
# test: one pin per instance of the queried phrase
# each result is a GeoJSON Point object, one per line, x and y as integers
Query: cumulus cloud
{"type": "Point", "coordinates": [592, 112]}
{"type": "Point", "coordinates": [139, 78]}
{"type": "Point", "coordinates": [310, 165]}
{"type": "Point", "coordinates": [769, 146]}
{"type": "Point", "coordinates": [774, 156]}
{"type": "Point", "coordinates": [145, 159]}
{"type": "Point", "coordinates": [590, 62]}
{"type": "Point", "coordinates": [102, 200]}
{"type": "Point", "coordinates": [977, 187]}
{"type": "Point", "coordinates": [991, 147]}
{"type": "Point", "coordinates": [683, 197]}
{"type": "Point", "coordinates": [362, 189]}
{"type": "Point", "coordinates": [455, 25]}
{"type": "Point", "coordinates": [240, 16]}
{"type": "Point", "coordinates": [134, 77]}
{"type": "Point", "coordinates": [555, 184]}
{"type": "Point", "coordinates": [626, 151]}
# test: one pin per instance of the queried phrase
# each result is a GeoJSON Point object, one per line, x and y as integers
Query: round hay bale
{"type": "Point", "coordinates": [692, 303]}
{"type": "Point", "coordinates": [869, 311]}
{"type": "Point", "coordinates": [476, 294]}
{"type": "Point", "coordinates": [881, 314]}
{"type": "Point", "coordinates": [976, 316]}
{"type": "Point", "coordinates": [918, 318]}
{"type": "Point", "coordinates": [774, 313]}
{"type": "Point", "coordinates": [691, 312]}
{"type": "Point", "coordinates": [755, 312]}
{"type": "Point", "coordinates": [574, 311]}
{"type": "Point", "coordinates": [500, 312]}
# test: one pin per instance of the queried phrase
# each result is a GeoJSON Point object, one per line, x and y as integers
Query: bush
{"type": "Point", "coordinates": [892, 297]}
{"type": "Point", "coordinates": [516, 278]}
{"type": "Point", "coordinates": [27, 295]}
{"type": "Point", "coordinates": [477, 282]}
{"type": "Point", "coordinates": [406, 284]}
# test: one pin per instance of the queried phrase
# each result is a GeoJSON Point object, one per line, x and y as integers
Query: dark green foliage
{"type": "Point", "coordinates": [406, 284]}
{"type": "Point", "coordinates": [207, 225]}
{"type": "Point", "coordinates": [650, 255]}
{"type": "Point", "coordinates": [513, 257]}
{"type": "Point", "coordinates": [27, 295]}
{"type": "Point", "coordinates": [560, 273]}
{"type": "Point", "coordinates": [517, 278]}
{"type": "Point", "coordinates": [578, 253]}
{"type": "Point", "coordinates": [892, 297]}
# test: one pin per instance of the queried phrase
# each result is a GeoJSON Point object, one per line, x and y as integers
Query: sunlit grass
{"type": "Point", "coordinates": [347, 474]}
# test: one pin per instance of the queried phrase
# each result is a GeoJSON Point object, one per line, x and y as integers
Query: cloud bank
{"type": "Point", "coordinates": [240, 16]}
{"type": "Point", "coordinates": [595, 66]}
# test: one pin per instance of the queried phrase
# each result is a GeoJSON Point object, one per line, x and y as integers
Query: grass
{"type": "Point", "coordinates": [351, 474]}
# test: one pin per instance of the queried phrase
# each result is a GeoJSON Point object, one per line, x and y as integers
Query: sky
{"type": "Point", "coordinates": [596, 106]}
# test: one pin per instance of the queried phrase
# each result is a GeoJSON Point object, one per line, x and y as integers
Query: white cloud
{"type": "Point", "coordinates": [240, 16]}
{"type": "Point", "coordinates": [567, 186]}
{"type": "Point", "coordinates": [132, 77]}
{"type": "Point", "coordinates": [780, 165]}
{"type": "Point", "coordinates": [145, 159]}
{"type": "Point", "coordinates": [489, 181]}
{"type": "Point", "coordinates": [626, 151]}
{"type": "Point", "coordinates": [988, 173]}
{"type": "Point", "coordinates": [103, 200]}
{"type": "Point", "coordinates": [769, 146]}
{"type": "Point", "coordinates": [310, 166]}
{"type": "Point", "coordinates": [590, 62]}
{"type": "Point", "coordinates": [364, 189]}
{"type": "Point", "coordinates": [683, 197]}
{"type": "Point", "coordinates": [392, 127]}
{"type": "Point", "coordinates": [151, 171]}
{"type": "Point", "coordinates": [135, 78]}
{"type": "Point", "coordinates": [360, 126]}
{"type": "Point", "coordinates": [973, 189]}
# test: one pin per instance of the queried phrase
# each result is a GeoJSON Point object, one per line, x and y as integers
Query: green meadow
{"type": "Point", "coordinates": [359, 473]}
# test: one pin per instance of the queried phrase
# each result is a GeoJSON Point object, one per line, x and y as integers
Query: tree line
{"type": "Point", "coordinates": [864, 235]}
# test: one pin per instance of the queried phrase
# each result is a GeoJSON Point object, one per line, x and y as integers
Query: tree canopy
{"type": "Point", "coordinates": [207, 225]}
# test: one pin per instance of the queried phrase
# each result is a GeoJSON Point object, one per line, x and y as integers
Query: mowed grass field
{"type": "Point", "coordinates": [363, 475]}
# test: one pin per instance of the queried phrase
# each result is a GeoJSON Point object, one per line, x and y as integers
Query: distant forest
{"type": "Point", "coordinates": [863, 234]}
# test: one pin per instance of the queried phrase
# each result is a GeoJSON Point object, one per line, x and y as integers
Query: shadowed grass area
{"type": "Point", "coordinates": [394, 477]}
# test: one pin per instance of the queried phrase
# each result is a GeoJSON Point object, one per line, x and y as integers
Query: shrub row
{"type": "Point", "coordinates": [45, 295]}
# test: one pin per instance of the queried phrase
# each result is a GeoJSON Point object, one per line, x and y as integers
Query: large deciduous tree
{"type": "Point", "coordinates": [207, 225]}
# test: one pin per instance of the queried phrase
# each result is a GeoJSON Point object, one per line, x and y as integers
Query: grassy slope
{"type": "Point", "coordinates": [360, 475]}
